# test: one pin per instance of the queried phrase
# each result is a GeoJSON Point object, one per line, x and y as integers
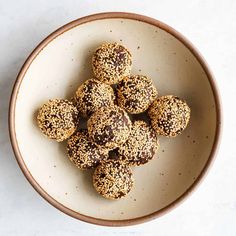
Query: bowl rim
{"type": "Point", "coordinates": [20, 77]}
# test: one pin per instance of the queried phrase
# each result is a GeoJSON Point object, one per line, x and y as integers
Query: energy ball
{"type": "Point", "coordinates": [135, 93]}
{"type": "Point", "coordinates": [57, 119]}
{"type": "Point", "coordinates": [169, 115]}
{"type": "Point", "coordinates": [111, 62]}
{"type": "Point", "coordinates": [141, 145]}
{"type": "Point", "coordinates": [84, 153]}
{"type": "Point", "coordinates": [113, 179]}
{"type": "Point", "coordinates": [92, 95]}
{"type": "Point", "coordinates": [109, 127]}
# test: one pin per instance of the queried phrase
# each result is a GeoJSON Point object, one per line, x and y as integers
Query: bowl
{"type": "Point", "coordinates": [61, 62]}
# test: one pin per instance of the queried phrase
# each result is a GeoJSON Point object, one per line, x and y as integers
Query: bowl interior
{"type": "Point", "coordinates": [64, 64]}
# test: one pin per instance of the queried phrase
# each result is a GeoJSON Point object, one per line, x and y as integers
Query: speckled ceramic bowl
{"type": "Point", "coordinates": [61, 63]}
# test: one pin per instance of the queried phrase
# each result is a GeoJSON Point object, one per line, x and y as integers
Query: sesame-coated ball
{"type": "Point", "coordinates": [83, 152]}
{"type": "Point", "coordinates": [111, 62]}
{"type": "Point", "coordinates": [169, 115]}
{"type": "Point", "coordinates": [92, 95]}
{"type": "Point", "coordinates": [135, 93]}
{"type": "Point", "coordinates": [141, 145]}
{"type": "Point", "coordinates": [109, 127]}
{"type": "Point", "coordinates": [113, 179]}
{"type": "Point", "coordinates": [57, 119]}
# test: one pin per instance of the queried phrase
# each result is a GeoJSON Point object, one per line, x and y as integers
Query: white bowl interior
{"type": "Point", "coordinates": [64, 64]}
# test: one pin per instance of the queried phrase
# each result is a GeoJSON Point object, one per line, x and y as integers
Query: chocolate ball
{"type": "Point", "coordinates": [111, 62]}
{"type": "Point", "coordinates": [83, 152]}
{"type": "Point", "coordinates": [57, 119]}
{"type": "Point", "coordinates": [92, 95]}
{"type": "Point", "coordinates": [113, 179]}
{"type": "Point", "coordinates": [135, 93]}
{"type": "Point", "coordinates": [109, 127]}
{"type": "Point", "coordinates": [169, 115]}
{"type": "Point", "coordinates": [141, 145]}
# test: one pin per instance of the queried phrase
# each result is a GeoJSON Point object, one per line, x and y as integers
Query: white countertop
{"type": "Point", "coordinates": [211, 26]}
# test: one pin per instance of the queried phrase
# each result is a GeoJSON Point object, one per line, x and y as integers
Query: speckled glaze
{"type": "Point", "coordinates": [175, 67]}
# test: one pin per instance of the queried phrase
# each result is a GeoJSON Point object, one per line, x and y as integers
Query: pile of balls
{"type": "Point", "coordinates": [112, 143]}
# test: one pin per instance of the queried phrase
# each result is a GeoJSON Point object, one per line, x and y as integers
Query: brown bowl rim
{"type": "Point", "coordinates": [26, 65]}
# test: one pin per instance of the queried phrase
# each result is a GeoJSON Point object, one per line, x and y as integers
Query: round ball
{"type": "Point", "coordinates": [113, 179]}
{"type": "Point", "coordinates": [169, 115]}
{"type": "Point", "coordinates": [141, 145]}
{"type": "Point", "coordinates": [111, 62]}
{"type": "Point", "coordinates": [109, 127]}
{"type": "Point", "coordinates": [92, 95]}
{"type": "Point", "coordinates": [84, 153]}
{"type": "Point", "coordinates": [57, 119]}
{"type": "Point", "coordinates": [135, 93]}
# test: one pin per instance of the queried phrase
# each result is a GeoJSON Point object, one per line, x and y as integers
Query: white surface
{"type": "Point", "coordinates": [211, 26]}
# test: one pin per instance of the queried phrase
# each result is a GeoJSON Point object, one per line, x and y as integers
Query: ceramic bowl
{"type": "Point", "coordinates": [55, 69]}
